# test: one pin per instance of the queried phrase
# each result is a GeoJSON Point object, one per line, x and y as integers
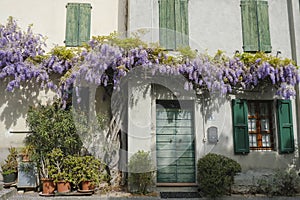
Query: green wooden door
{"type": "Point", "coordinates": [175, 146]}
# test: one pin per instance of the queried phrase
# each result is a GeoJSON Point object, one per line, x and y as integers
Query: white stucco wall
{"type": "Point", "coordinates": [49, 16]}
{"type": "Point", "coordinates": [49, 19]}
{"type": "Point", "coordinates": [140, 134]}
{"type": "Point", "coordinates": [296, 18]}
{"type": "Point", "coordinates": [215, 24]}
{"type": "Point", "coordinates": [216, 112]}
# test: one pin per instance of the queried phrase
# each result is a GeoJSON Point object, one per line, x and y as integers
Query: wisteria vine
{"type": "Point", "coordinates": [22, 59]}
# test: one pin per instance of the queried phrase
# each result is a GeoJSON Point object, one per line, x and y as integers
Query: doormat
{"type": "Point", "coordinates": [166, 195]}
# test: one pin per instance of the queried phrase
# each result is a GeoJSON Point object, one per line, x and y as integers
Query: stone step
{"type": "Point", "coordinates": [1, 185]}
{"type": "Point", "coordinates": [6, 193]}
{"type": "Point", "coordinates": [167, 195]}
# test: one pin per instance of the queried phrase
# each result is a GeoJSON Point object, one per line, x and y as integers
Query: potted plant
{"type": "Point", "coordinates": [26, 152]}
{"type": "Point", "coordinates": [9, 168]}
{"type": "Point", "coordinates": [88, 172]}
{"type": "Point", "coordinates": [48, 185]}
{"type": "Point", "coordinates": [51, 127]}
{"type": "Point", "coordinates": [59, 170]}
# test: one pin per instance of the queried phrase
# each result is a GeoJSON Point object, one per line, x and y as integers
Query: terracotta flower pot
{"type": "Point", "coordinates": [87, 185]}
{"type": "Point", "coordinates": [25, 158]}
{"type": "Point", "coordinates": [63, 186]}
{"type": "Point", "coordinates": [48, 186]}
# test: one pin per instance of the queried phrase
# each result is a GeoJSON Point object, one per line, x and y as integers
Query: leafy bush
{"type": "Point", "coordinates": [86, 168]}
{"type": "Point", "coordinates": [216, 174]}
{"type": "Point", "coordinates": [52, 127]}
{"type": "Point", "coordinates": [10, 164]}
{"type": "Point", "coordinates": [281, 183]}
{"type": "Point", "coordinates": [141, 172]}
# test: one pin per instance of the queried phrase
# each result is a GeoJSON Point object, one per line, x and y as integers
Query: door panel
{"type": "Point", "coordinates": [175, 143]}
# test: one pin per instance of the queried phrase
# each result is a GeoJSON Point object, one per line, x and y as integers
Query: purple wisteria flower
{"type": "Point", "coordinates": [23, 58]}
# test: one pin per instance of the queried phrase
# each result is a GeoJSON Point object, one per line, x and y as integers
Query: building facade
{"type": "Point", "coordinates": [63, 23]}
{"type": "Point", "coordinates": [178, 127]}
{"type": "Point", "coordinates": [258, 129]}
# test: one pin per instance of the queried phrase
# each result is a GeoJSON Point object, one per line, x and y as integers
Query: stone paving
{"type": "Point", "coordinates": [13, 194]}
{"type": "Point", "coordinates": [33, 196]}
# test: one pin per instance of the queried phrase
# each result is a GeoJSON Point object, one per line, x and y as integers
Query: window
{"type": "Point", "coordinates": [255, 26]}
{"type": "Point", "coordinates": [78, 24]}
{"type": "Point", "coordinates": [173, 23]}
{"type": "Point", "coordinates": [260, 125]}
{"type": "Point", "coordinates": [254, 128]}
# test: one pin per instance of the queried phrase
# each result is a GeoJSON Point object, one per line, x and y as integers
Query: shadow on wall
{"type": "Point", "coordinates": [14, 105]}
{"type": "Point", "coordinates": [211, 103]}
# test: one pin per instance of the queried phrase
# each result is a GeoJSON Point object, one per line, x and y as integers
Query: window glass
{"type": "Point", "coordinates": [259, 126]}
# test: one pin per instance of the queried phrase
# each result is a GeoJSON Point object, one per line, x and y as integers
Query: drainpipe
{"type": "Point", "coordinates": [123, 6]}
{"type": "Point", "coordinates": [124, 133]}
{"type": "Point", "coordinates": [294, 57]}
{"type": "Point", "coordinates": [123, 17]}
{"type": "Point", "coordinates": [126, 17]}
{"type": "Point", "coordinates": [292, 29]}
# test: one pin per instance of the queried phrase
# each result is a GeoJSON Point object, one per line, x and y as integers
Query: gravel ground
{"type": "Point", "coordinates": [33, 196]}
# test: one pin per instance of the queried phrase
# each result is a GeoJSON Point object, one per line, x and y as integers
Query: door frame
{"type": "Point", "coordinates": [192, 105]}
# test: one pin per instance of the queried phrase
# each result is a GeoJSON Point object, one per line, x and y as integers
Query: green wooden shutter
{"type": "Point", "coordinates": [162, 22]}
{"type": "Point", "coordinates": [240, 126]}
{"type": "Point", "coordinates": [263, 26]}
{"type": "Point", "coordinates": [72, 24]}
{"type": "Point", "coordinates": [285, 126]}
{"type": "Point", "coordinates": [255, 26]}
{"type": "Point", "coordinates": [84, 23]}
{"type": "Point", "coordinates": [181, 23]}
{"type": "Point", "coordinates": [167, 23]}
{"type": "Point", "coordinates": [249, 25]}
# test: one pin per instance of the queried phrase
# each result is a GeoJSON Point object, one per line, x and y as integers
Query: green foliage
{"type": "Point", "coordinates": [125, 43]}
{"type": "Point", "coordinates": [251, 58]}
{"type": "Point", "coordinates": [216, 174]}
{"type": "Point", "coordinates": [64, 53]}
{"type": "Point", "coordinates": [74, 168]}
{"type": "Point", "coordinates": [58, 168]}
{"type": "Point", "coordinates": [281, 183]}
{"type": "Point", "coordinates": [27, 150]}
{"type": "Point", "coordinates": [141, 171]}
{"type": "Point", "coordinates": [187, 52]}
{"type": "Point", "coordinates": [52, 127]}
{"type": "Point", "coordinates": [38, 59]}
{"type": "Point", "coordinates": [53, 134]}
{"type": "Point", "coordinates": [10, 164]}
{"type": "Point", "coordinates": [86, 168]}
{"type": "Point", "coordinates": [102, 120]}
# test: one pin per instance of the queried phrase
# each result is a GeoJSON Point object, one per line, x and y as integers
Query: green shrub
{"type": "Point", "coordinates": [141, 172]}
{"type": "Point", "coordinates": [281, 183]}
{"type": "Point", "coordinates": [10, 164]}
{"type": "Point", "coordinates": [216, 174]}
{"type": "Point", "coordinates": [52, 127]}
{"type": "Point", "coordinates": [86, 168]}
